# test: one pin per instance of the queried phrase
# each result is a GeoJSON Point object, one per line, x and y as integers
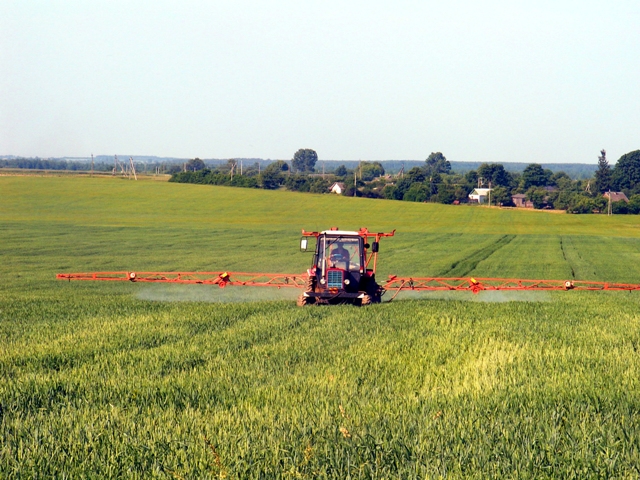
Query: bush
{"type": "Point", "coordinates": [418, 192]}
{"type": "Point", "coordinates": [634, 205]}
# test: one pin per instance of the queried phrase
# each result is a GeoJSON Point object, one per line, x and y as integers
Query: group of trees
{"type": "Point", "coordinates": [434, 181]}
{"type": "Point", "coordinates": [293, 175]}
{"type": "Point", "coordinates": [47, 164]}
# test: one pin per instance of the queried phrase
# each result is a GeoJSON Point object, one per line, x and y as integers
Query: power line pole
{"type": "Point", "coordinates": [355, 182]}
{"type": "Point", "coordinates": [92, 164]}
{"type": "Point", "coordinates": [133, 169]}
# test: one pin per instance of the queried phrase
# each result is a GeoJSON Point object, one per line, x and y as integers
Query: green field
{"type": "Point", "coordinates": [137, 381]}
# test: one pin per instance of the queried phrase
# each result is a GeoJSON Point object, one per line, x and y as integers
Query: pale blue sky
{"type": "Point", "coordinates": [537, 81]}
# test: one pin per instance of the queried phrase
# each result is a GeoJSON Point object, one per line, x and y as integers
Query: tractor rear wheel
{"type": "Point", "coordinates": [311, 286]}
{"type": "Point", "coordinates": [302, 300]}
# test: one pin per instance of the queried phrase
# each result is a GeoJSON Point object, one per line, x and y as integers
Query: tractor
{"type": "Point", "coordinates": [343, 269]}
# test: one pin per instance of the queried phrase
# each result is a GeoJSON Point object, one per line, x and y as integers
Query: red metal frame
{"type": "Point", "coordinates": [222, 279]}
{"type": "Point", "coordinates": [476, 285]}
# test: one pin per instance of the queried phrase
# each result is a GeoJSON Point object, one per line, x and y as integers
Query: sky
{"type": "Point", "coordinates": [490, 81]}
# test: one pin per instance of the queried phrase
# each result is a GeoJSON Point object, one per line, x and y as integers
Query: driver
{"type": "Point", "coordinates": [339, 253]}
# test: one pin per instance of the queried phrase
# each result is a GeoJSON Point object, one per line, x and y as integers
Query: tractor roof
{"type": "Point", "coordinates": [363, 232]}
{"type": "Point", "coordinates": [341, 233]}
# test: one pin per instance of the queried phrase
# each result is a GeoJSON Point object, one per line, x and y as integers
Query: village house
{"type": "Point", "coordinates": [616, 196]}
{"type": "Point", "coordinates": [479, 195]}
{"type": "Point", "coordinates": [337, 187]}
{"type": "Point", "coordinates": [520, 201]}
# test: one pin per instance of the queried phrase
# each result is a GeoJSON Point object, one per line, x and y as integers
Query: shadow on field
{"type": "Point", "coordinates": [209, 293]}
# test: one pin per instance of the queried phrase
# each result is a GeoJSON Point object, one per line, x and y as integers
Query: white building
{"type": "Point", "coordinates": [479, 195]}
{"type": "Point", "coordinates": [337, 187]}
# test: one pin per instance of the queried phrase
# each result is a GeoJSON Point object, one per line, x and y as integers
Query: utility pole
{"type": "Point", "coordinates": [92, 164]}
{"type": "Point", "coordinates": [609, 207]}
{"type": "Point", "coordinates": [133, 169]}
{"type": "Point", "coordinates": [489, 193]}
{"type": "Point", "coordinates": [240, 167]}
{"type": "Point", "coordinates": [355, 182]}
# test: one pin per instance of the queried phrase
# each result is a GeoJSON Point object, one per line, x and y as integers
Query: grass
{"type": "Point", "coordinates": [108, 380]}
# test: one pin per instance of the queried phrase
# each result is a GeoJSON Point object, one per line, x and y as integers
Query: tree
{"type": "Point", "coordinates": [619, 208]}
{"type": "Point", "coordinates": [418, 192]}
{"type": "Point", "coordinates": [371, 170]}
{"type": "Point", "coordinates": [415, 175]}
{"type": "Point", "coordinates": [462, 194]}
{"type": "Point", "coordinates": [278, 166]}
{"type": "Point", "coordinates": [626, 173]}
{"type": "Point", "coordinates": [561, 180]}
{"type": "Point", "coordinates": [472, 178]}
{"type": "Point", "coordinates": [437, 163]}
{"type": "Point", "coordinates": [446, 194]}
{"type": "Point", "coordinates": [272, 177]}
{"type": "Point", "coordinates": [495, 173]}
{"type": "Point", "coordinates": [195, 165]}
{"type": "Point", "coordinates": [537, 196]}
{"type": "Point", "coordinates": [341, 171]}
{"type": "Point", "coordinates": [603, 174]}
{"type": "Point", "coordinates": [580, 204]}
{"type": "Point", "coordinates": [634, 205]}
{"type": "Point", "coordinates": [501, 196]}
{"type": "Point", "coordinates": [535, 176]}
{"type": "Point", "coordinates": [304, 160]}
{"type": "Point", "coordinates": [434, 183]}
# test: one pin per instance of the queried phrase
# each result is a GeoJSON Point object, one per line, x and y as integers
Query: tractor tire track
{"type": "Point", "coordinates": [468, 264]}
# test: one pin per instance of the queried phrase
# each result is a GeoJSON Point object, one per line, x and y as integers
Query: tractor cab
{"type": "Point", "coordinates": [343, 267]}
{"type": "Point", "coordinates": [342, 259]}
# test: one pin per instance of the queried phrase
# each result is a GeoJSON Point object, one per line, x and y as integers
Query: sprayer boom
{"type": "Point", "coordinates": [343, 270]}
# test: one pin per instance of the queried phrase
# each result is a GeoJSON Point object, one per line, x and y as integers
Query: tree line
{"type": "Point", "coordinates": [434, 181]}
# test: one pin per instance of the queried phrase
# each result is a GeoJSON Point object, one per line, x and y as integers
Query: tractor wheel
{"type": "Point", "coordinates": [302, 301]}
{"type": "Point", "coordinates": [374, 295]}
{"type": "Point", "coordinates": [311, 286]}
{"type": "Point", "coordinates": [366, 300]}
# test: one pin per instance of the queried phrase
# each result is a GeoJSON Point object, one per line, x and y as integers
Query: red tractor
{"type": "Point", "coordinates": [343, 268]}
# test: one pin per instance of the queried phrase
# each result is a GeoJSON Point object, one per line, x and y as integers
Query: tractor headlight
{"type": "Point", "coordinates": [322, 281]}
{"type": "Point", "coordinates": [347, 282]}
